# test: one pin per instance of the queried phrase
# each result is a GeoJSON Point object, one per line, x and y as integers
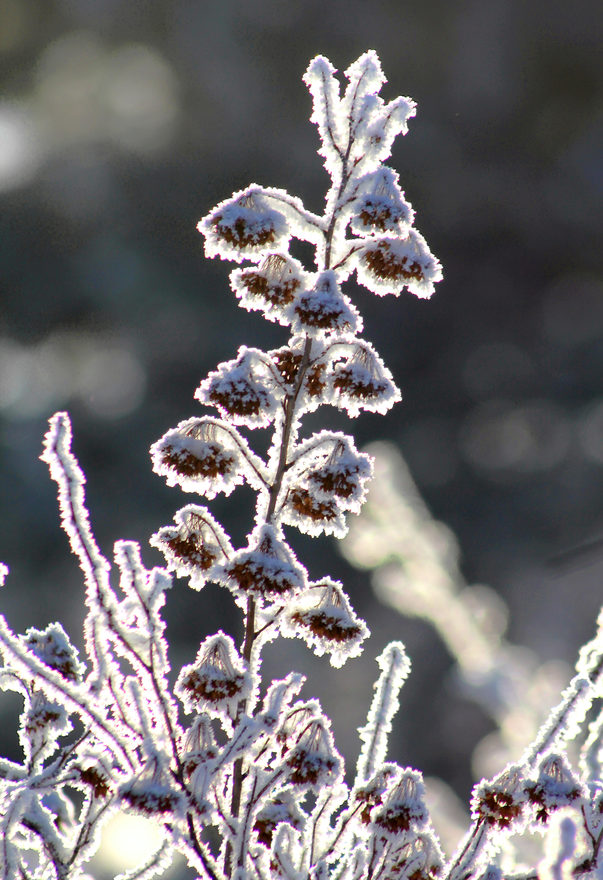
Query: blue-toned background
{"type": "Point", "coordinates": [121, 123]}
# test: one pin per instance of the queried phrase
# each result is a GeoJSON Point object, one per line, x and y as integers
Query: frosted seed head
{"type": "Point", "coordinates": [343, 474]}
{"type": "Point", "coordinates": [282, 809]}
{"type": "Point", "coordinates": [216, 681]}
{"type": "Point", "coordinates": [380, 206]}
{"type": "Point", "coordinates": [325, 310]}
{"type": "Point", "coordinates": [243, 226]}
{"type": "Point", "coordinates": [555, 787]}
{"type": "Point", "coordinates": [196, 457]}
{"type": "Point", "coordinates": [239, 389]}
{"type": "Point", "coordinates": [362, 382]}
{"type": "Point", "coordinates": [269, 287]}
{"type": "Point", "coordinates": [372, 793]}
{"type": "Point", "coordinates": [324, 619]}
{"type": "Point", "coordinates": [194, 545]}
{"type": "Point", "coordinates": [404, 808]}
{"type": "Point", "coordinates": [151, 792]}
{"type": "Point", "coordinates": [500, 802]}
{"type": "Point", "coordinates": [310, 513]}
{"type": "Point", "coordinates": [313, 761]}
{"type": "Point", "coordinates": [53, 648]}
{"type": "Point", "coordinates": [387, 265]}
{"type": "Point", "coordinates": [267, 568]}
{"type": "Point", "coordinates": [199, 745]}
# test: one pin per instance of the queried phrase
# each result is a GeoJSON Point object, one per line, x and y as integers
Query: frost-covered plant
{"type": "Point", "coordinates": [556, 787]}
{"type": "Point", "coordinates": [241, 775]}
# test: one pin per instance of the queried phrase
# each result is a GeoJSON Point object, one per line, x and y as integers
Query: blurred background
{"type": "Point", "coordinates": [122, 123]}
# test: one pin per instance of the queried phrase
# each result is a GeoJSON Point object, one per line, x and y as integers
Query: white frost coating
{"type": "Point", "coordinates": [359, 379]}
{"type": "Point", "coordinates": [271, 286]}
{"type": "Point", "coordinates": [66, 472]}
{"type": "Point", "coordinates": [267, 568]}
{"type": "Point", "coordinates": [560, 849]}
{"type": "Point", "coordinates": [324, 89]}
{"type": "Point", "coordinates": [395, 666]}
{"type": "Point", "coordinates": [3, 573]}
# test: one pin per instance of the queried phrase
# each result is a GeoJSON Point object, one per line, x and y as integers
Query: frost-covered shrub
{"type": "Point", "coordinates": [240, 775]}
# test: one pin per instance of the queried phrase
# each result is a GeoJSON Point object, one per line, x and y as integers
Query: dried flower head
{"type": "Point", "coordinates": [324, 619]}
{"type": "Point", "coordinates": [324, 309]}
{"type": "Point", "coordinates": [387, 265]}
{"type": "Point", "coordinates": [555, 787]}
{"type": "Point", "coordinates": [313, 761]}
{"type": "Point", "coordinates": [343, 474]}
{"type": "Point", "coordinates": [53, 648]}
{"type": "Point", "coordinates": [501, 801]}
{"type": "Point", "coordinates": [362, 382]}
{"type": "Point", "coordinates": [381, 206]}
{"type": "Point", "coordinates": [194, 545]}
{"type": "Point", "coordinates": [216, 681]}
{"type": "Point", "coordinates": [242, 227]}
{"type": "Point", "coordinates": [267, 568]}
{"type": "Point", "coordinates": [151, 792]}
{"type": "Point", "coordinates": [200, 456]}
{"type": "Point", "coordinates": [282, 808]}
{"type": "Point", "coordinates": [269, 287]}
{"type": "Point", "coordinates": [240, 390]}
{"type": "Point", "coordinates": [404, 807]}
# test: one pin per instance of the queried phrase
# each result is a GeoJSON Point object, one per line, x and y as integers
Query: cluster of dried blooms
{"type": "Point", "coordinates": [241, 775]}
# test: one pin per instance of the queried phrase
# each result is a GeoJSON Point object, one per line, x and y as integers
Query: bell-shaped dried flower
{"type": "Point", "coordinates": [555, 787]}
{"type": "Point", "coordinates": [217, 681]}
{"type": "Point", "coordinates": [199, 744]}
{"type": "Point", "coordinates": [363, 382]}
{"type": "Point", "coordinates": [380, 206]}
{"type": "Point", "coordinates": [296, 720]}
{"type": "Point", "coordinates": [387, 265]}
{"type": "Point", "coordinates": [322, 616]}
{"type": "Point", "coordinates": [199, 456]}
{"type": "Point", "coordinates": [194, 545]}
{"type": "Point", "coordinates": [53, 648]}
{"type": "Point", "coordinates": [269, 287]}
{"type": "Point", "coordinates": [282, 808]}
{"type": "Point", "coordinates": [242, 227]}
{"type": "Point", "coordinates": [266, 568]}
{"type": "Point", "coordinates": [312, 513]}
{"type": "Point", "coordinates": [95, 774]}
{"type": "Point", "coordinates": [404, 808]}
{"type": "Point", "coordinates": [344, 471]}
{"type": "Point", "coordinates": [500, 802]}
{"type": "Point", "coordinates": [151, 792]}
{"type": "Point", "coordinates": [324, 309]}
{"type": "Point", "coordinates": [41, 723]}
{"type": "Point", "coordinates": [313, 761]}
{"type": "Point", "coordinates": [242, 389]}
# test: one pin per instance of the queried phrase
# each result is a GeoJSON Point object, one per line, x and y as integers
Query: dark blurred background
{"type": "Point", "coordinates": [122, 123]}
